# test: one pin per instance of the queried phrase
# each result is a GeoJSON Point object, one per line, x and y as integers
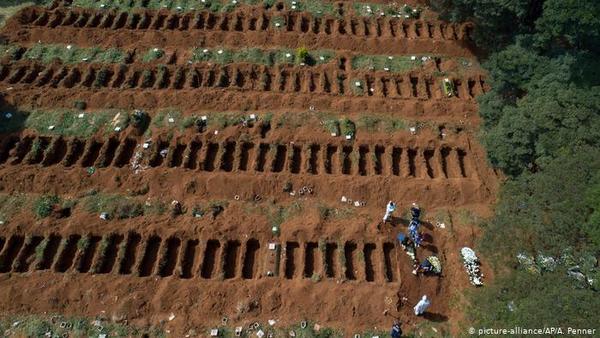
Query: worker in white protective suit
{"type": "Point", "coordinates": [391, 206]}
{"type": "Point", "coordinates": [422, 306]}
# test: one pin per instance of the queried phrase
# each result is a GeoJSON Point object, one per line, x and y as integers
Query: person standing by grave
{"type": "Point", "coordinates": [422, 306]}
{"type": "Point", "coordinates": [391, 206]}
{"type": "Point", "coordinates": [396, 330]}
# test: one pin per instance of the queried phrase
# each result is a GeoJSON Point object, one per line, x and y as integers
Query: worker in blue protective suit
{"type": "Point", "coordinates": [396, 330]}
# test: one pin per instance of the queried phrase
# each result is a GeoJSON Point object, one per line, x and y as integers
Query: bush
{"type": "Point", "coordinates": [129, 209]}
{"type": "Point", "coordinates": [302, 54]}
{"type": "Point", "coordinates": [43, 206]}
{"type": "Point", "coordinates": [81, 105]}
{"type": "Point", "coordinates": [101, 78]}
{"type": "Point", "coordinates": [147, 78]}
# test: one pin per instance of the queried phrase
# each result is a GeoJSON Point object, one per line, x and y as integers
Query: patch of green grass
{"type": "Point", "coordinates": [393, 9]}
{"type": "Point", "coordinates": [58, 325]}
{"type": "Point", "coordinates": [395, 124]}
{"type": "Point", "coordinates": [370, 123]}
{"type": "Point", "coordinates": [358, 87]}
{"type": "Point", "coordinates": [83, 243]}
{"type": "Point", "coordinates": [278, 22]}
{"type": "Point", "coordinates": [43, 205]}
{"type": "Point", "coordinates": [221, 120]}
{"type": "Point", "coordinates": [39, 250]}
{"type": "Point", "coordinates": [394, 64]}
{"type": "Point", "coordinates": [261, 56]}
{"type": "Point", "coordinates": [153, 54]}
{"type": "Point", "coordinates": [69, 123]}
{"type": "Point", "coordinates": [11, 204]}
{"type": "Point", "coordinates": [69, 54]}
{"type": "Point", "coordinates": [12, 51]}
{"type": "Point", "coordinates": [10, 8]}
{"type": "Point", "coordinates": [347, 127]}
{"type": "Point", "coordinates": [168, 119]}
{"type": "Point", "coordinates": [326, 212]}
{"type": "Point", "coordinates": [316, 7]}
{"type": "Point", "coordinates": [117, 206]}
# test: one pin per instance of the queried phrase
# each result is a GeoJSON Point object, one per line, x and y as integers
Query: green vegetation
{"type": "Point", "coordinates": [59, 326]}
{"type": "Point", "coordinates": [348, 128]}
{"type": "Point", "coordinates": [261, 56]}
{"type": "Point", "coordinates": [373, 123]}
{"type": "Point", "coordinates": [394, 64]}
{"type": "Point", "coordinates": [43, 206]}
{"type": "Point", "coordinates": [315, 7]}
{"type": "Point", "coordinates": [358, 87]}
{"type": "Point", "coordinates": [121, 207]}
{"type": "Point", "coordinates": [327, 212]}
{"type": "Point", "coordinates": [66, 53]}
{"type": "Point", "coordinates": [541, 126]}
{"type": "Point", "coordinates": [66, 123]}
{"type": "Point", "coordinates": [372, 9]}
{"type": "Point", "coordinates": [9, 7]}
{"type": "Point", "coordinates": [10, 205]}
{"type": "Point", "coordinates": [153, 54]}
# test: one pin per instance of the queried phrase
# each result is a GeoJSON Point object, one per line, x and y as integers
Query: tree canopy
{"type": "Point", "coordinates": [541, 126]}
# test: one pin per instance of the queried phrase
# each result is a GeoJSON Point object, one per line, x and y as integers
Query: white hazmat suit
{"type": "Point", "coordinates": [391, 206]}
{"type": "Point", "coordinates": [422, 306]}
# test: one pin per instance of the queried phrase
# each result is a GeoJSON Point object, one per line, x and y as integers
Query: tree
{"type": "Point", "coordinates": [571, 24]}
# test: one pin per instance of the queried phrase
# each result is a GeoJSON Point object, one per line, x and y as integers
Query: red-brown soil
{"type": "Point", "coordinates": [202, 269]}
